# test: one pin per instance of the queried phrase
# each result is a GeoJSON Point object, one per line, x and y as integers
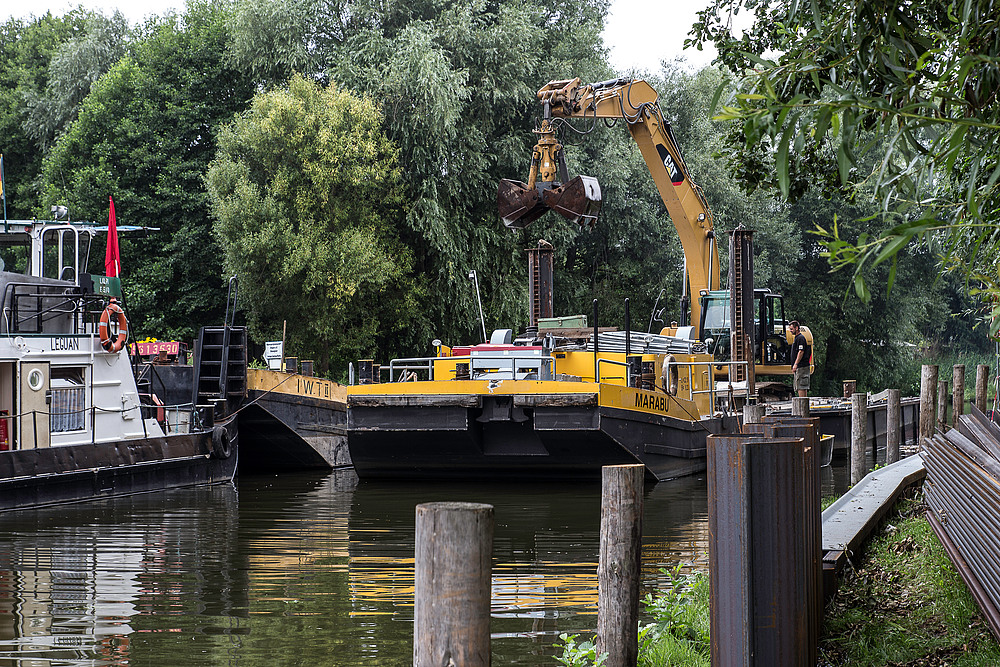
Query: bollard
{"type": "Point", "coordinates": [982, 381]}
{"type": "Point", "coordinates": [892, 429]}
{"type": "Point", "coordinates": [859, 436]}
{"type": "Point", "coordinates": [928, 387]}
{"type": "Point", "coordinates": [942, 405]}
{"type": "Point", "coordinates": [957, 393]}
{"type": "Point", "coordinates": [800, 406]}
{"type": "Point", "coordinates": [619, 568]}
{"type": "Point", "coordinates": [453, 553]}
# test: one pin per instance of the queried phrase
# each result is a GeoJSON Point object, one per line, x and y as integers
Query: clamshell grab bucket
{"type": "Point", "coordinates": [518, 204]}
{"type": "Point", "coordinates": [578, 201]}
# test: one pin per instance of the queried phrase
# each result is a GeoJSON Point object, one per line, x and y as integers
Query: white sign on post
{"type": "Point", "coordinates": [273, 352]}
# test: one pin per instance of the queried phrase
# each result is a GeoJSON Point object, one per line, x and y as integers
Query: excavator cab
{"type": "Point", "coordinates": [578, 199]}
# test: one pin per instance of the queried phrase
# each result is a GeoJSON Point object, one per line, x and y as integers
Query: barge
{"type": "Point", "coordinates": [293, 421]}
{"type": "Point", "coordinates": [74, 423]}
{"type": "Point", "coordinates": [553, 410]}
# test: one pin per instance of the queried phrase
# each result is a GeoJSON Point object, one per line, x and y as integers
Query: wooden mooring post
{"type": "Point", "coordinates": [893, 415]}
{"type": "Point", "coordinates": [800, 406]}
{"type": "Point", "coordinates": [942, 405]}
{"type": "Point", "coordinates": [982, 382]}
{"type": "Point", "coordinates": [453, 555]}
{"type": "Point", "coordinates": [957, 392]}
{"type": "Point", "coordinates": [928, 391]}
{"type": "Point", "coordinates": [753, 413]}
{"type": "Point", "coordinates": [859, 436]}
{"type": "Point", "coordinates": [618, 571]}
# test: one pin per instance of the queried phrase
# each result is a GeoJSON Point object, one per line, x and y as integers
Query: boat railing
{"type": "Point", "coordinates": [613, 362]}
{"type": "Point", "coordinates": [27, 307]}
{"type": "Point", "coordinates": [713, 391]}
{"type": "Point", "coordinates": [414, 364]}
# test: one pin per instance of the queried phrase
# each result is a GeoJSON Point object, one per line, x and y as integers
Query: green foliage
{"type": "Point", "coordinates": [26, 50]}
{"type": "Point", "coordinates": [145, 135]}
{"type": "Point", "coordinates": [678, 635]}
{"type": "Point", "coordinates": [681, 610]}
{"type": "Point", "coordinates": [900, 98]}
{"type": "Point", "coordinates": [73, 70]}
{"type": "Point", "coordinates": [456, 81]}
{"type": "Point", "coordinates": [306, 191]}
{"type": "Point", "coordinates": [583, 654]}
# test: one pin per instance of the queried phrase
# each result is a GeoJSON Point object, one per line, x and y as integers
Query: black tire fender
{"type": "Point", "coordinates": [222, 444]}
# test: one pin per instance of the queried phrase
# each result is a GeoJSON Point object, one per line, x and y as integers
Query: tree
{"type": "Point", "coordinates": [456, 81]}
{"type": "Point", "coordinates": [308, 195]}
{"type": "Point", "coordinates": [26, 49]}
{"type": "Point", "coordinates": [72, 71]}
{"type": "Point", "coordinates": [825, 83]}
{"type": "Point", "coordinates": [145, 135]}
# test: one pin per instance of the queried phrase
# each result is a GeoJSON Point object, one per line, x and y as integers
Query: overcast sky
{"type": "Point", "coordinates": [639, 33]}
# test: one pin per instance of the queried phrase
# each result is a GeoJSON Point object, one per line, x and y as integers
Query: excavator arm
{"type": "Point", "coordinates": [579, 199]}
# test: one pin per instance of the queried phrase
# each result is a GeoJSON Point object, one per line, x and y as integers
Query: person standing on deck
{"type": "Point", "coordinates": [800, 356]}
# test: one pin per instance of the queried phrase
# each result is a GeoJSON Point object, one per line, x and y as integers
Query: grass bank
{"type": "Point", "coordinates": [905, 605]}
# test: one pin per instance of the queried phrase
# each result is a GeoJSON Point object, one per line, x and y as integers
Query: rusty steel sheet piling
{"type": "Point", "coordinates": [763, 546]}
{"type": "Point", "coordinates": [963, 494]}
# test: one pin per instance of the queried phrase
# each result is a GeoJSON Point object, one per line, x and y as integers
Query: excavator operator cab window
{"type": "Point", "coordinates": [776, 347]}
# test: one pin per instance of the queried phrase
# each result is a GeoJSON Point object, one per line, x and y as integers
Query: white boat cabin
{"type": "Point", "coordinates": [58, 385]}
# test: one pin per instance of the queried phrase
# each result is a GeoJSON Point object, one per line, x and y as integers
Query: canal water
{"type": "Point", "coordinates": [307, 569]}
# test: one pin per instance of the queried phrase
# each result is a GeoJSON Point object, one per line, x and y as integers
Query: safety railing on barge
{"type": "Point", "coordinates": [409, 367]}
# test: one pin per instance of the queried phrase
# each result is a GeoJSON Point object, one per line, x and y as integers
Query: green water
{"type": "Point", "coordinates": [305, 569]}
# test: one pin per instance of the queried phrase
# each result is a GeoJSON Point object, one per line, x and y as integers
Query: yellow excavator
{"type": "Point", "coordinates": [760, 336]}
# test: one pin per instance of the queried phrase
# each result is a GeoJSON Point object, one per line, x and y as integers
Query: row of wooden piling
{"type": "Point", "coordinates": [453, 554]}
{"type": "Point", "coordinates": [934, 397]}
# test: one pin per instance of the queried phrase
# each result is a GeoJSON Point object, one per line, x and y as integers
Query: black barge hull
{"type": "Point", "coordinates": [54, 475]}
{"type": "Point", "coordinates": [552, 443]}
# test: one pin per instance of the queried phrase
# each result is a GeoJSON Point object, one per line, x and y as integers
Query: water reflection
{"type": "Point", "coordinates": [306, 569]}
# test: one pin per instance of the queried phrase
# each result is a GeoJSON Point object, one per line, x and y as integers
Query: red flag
{"type": "Point", "coordinates": [112, 260]}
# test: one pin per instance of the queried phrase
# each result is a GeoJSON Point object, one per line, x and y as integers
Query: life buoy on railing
{"type": "Point", "coordinates": [222, 445]}
{"type": "Point", "coordinates": [108, 342]}
{"type": "Point", "coordinates": [669, 375]}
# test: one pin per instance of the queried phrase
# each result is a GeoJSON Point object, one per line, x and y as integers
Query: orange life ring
{"type": "Point", "coordinates": [104, 329]}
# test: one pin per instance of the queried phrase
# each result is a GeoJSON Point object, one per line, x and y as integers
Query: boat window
{"type": "Point", "coordinates": [61, 248]}
{"type": "Point", "coordinates": [15, 248]}
{"type": "Point", "coordinates": [68, 384]}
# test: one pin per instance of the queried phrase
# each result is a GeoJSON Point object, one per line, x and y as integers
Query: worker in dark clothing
{"type": "Point", "coordinates": [801, 356]}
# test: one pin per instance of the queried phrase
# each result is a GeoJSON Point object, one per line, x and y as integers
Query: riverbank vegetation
{"type": "Point", "coordinates": [904, 604]}
{"type": "Point", "coordinates": [450, 91]}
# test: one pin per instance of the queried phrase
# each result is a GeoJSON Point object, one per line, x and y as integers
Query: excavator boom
{"type": "Point", "coordinates": [579, 199]}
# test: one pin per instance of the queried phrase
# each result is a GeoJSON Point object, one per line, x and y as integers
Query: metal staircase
{"type": "Point", "coordinates": [220, 364]}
